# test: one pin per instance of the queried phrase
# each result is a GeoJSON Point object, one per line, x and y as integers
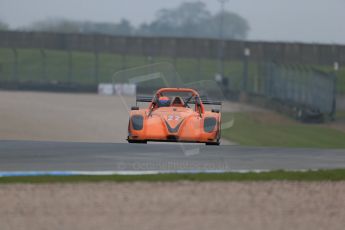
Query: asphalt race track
{"type": "Point", "coordinates": [53, 156]}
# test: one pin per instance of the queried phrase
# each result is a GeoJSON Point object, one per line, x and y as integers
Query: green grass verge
{"type": "Point", "coordinates": [340, 115]}
{"type": "Point", "coordinates": [320, 175]}
{"type": "Point", "coordinates": [248, 131]}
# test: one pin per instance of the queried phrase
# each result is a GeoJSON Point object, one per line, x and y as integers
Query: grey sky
{"type": "Point", "coordinates": [273, 20]}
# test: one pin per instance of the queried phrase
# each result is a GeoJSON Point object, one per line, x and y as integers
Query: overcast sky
{"type": "Point", "coordinates": [321, 21]}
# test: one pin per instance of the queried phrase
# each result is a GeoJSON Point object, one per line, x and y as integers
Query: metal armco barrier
{"type": "Point", "coordinates": [311, 92]}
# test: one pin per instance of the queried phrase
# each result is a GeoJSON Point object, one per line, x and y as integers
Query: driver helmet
{"type": "Point", "coordinates": [163, 101]}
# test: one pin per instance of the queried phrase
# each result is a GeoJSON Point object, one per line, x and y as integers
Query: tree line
{"type": "Point", "coordinates": [189, 19]}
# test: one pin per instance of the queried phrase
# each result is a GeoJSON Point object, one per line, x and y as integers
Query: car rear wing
{"type": "Point", "coordinates": [207, 101]}
{"type": "Point", "coordinates": [204, 100]}
{"type": "Point", "coordinates": [142, 98]}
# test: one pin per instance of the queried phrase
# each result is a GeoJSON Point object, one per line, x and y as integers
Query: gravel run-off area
{"type": "Point", "coordinates": [178, 205]}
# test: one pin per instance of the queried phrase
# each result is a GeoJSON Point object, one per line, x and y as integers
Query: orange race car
{"type": "Point", "coordinates": [175, 115]}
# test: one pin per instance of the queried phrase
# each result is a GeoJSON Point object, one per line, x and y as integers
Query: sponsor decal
{"type": "Point", "coordinates": [173, 117]}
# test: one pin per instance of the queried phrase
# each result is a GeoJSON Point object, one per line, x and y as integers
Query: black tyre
{"type": "Point", "coordinates": [137, 142]}
{"type": "Point", "coordinates": [213, 143]}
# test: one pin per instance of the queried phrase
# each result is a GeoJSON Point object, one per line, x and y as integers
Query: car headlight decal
{"type": "Point", "coordinates": [209, 124]}
{"type": "Point", "coordinates": [137, 122]}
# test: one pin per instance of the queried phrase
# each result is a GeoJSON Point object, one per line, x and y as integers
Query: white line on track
{"type": "Point", "coordinates": [109, 173]}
